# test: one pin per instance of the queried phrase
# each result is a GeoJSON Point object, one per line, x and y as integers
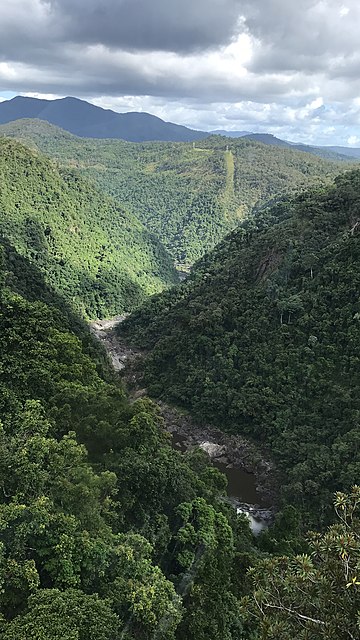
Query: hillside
{"type": "Point", "coordinates": [89, 121]}
{"type": "Point", "coordinates": [108, 532]}
{"type": "Point", "coordinates": [95, 505]}
{"type": "Point", "coordinates": [338, 154]}
{"type": "Point", "coordinates": [352, 152]}
{"type": "Point", "coordinates": [327, 153]}
{"type": "Point", "coordinates": [263, 340]}
{"type": "Point", "coordinates": [189, 195]}
{"type": "Point", "coordinates": [98, 256]}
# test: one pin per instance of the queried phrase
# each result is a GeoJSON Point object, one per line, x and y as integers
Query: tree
{"type": "Point", "coordinates": [314, 596]}
{"type": "Point", "coordinates": [69, 615]}
{"type": "Point", "coordinates": [205, 553]}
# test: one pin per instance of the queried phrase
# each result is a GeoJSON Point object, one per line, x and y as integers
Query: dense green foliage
{"type": "Point", "coordinates": [105, 530]}
{"type": "Point", "coordinates": [89, 248]}
{"type": "Point", "coordinates": [322, 152]}
{"type": "Point", "coordinates": [264, 339]}
{"type": "Point", "coordinates": [313, 596]}
{"type": "Point", "coordinates": [189, 196]}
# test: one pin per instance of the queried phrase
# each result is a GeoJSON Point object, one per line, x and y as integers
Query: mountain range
{"type": "Point", "coordinates": [87, 120]}
{"type": "Point", "coordinates": [188, 195]}
{"type": "Point", "coordinates": [107, 530]}
{"type": "Point", "coordinates": [90, 121]}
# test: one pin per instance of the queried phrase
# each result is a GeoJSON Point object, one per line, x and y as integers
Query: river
{"type": "Point", "coordinates": [242, 486]}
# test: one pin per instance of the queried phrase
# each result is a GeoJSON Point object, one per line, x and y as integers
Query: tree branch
{"type": "Point", "coordinates": [295, 613]}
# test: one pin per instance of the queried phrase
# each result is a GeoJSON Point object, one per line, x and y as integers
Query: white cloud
{"type": "Point", "coordinates": [353, 140]}
{"type": "Point", "coordinates": [289, 68]}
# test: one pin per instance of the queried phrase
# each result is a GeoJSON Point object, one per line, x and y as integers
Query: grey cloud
{"type": "Point", "coordinates": [99, 74]}
{"type": "Point", "coordinates": [130, 25]}
{"type": "Point", "coordinates": [292, 40]}
{"type": "Point", "coordinates": [167, 25]}
{"type": "Point", "coordinates": [305, 36]}
{"type": "Point", "coordinates": [97, 48]}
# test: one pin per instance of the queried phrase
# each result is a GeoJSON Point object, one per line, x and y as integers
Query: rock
{"type": "Point", "coordinates": [234, 451]}
{"type": "Point", "coordinates": [139, 393]}
{"type": "Point", "coordinates": [213, 450]}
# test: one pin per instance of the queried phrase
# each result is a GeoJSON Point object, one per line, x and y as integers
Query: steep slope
{"type": "Point", "coordinates": [87, 120]}
{"type": "Point", "coordinates": [89, 249]}
{"type": "Point", "coordinates": [338, 154]}
{"type": "Point", "coordinates": [95, 505]}
{"type": "Point", "coordinates": [264, 339]}
{"type": "Point", "coordinates": [188, 195]}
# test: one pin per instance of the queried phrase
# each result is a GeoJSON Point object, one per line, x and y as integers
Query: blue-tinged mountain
{"type": "Point", "coordinates": [328, 153]}
{"type": "Point", "coordinates": [87, 120]}
{"type": "Point", "coordinates": [338, 154]}
{"type": "Point", "coordinates": [351, 152]}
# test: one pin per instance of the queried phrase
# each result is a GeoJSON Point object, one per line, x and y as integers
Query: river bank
{"type": "Point", "coordinates": [235, 456]}
{"type": "Point", "coordinates": [250, 475]}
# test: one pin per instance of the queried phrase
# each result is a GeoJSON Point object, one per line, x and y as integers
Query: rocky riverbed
{"type": "Point", "coordinates": [251, 476]}
{"type": "Point", "coordinates": [120, 355]}
{"type": "Point", "coordinates": [251, 484]}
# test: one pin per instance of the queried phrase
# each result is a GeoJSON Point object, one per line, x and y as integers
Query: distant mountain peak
{"type": "Point", "coordinates": [88, 120]}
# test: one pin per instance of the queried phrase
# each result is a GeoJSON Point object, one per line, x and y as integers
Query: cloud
{"type": "Point", "coordinates": [163, 25]}
{"type": "Point", "coordinates": [277, 64]}
{"type": "Point", "coordinates": [167, 25]}
{"type": "Point", "coordinates": [353, 140]}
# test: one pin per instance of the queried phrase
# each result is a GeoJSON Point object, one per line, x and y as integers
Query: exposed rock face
{"type": "Point", "coordinates": [259, 519]}
{"type": "Point", "coordinates": [119, 354]}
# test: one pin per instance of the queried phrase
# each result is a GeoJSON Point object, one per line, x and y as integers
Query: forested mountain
{"type": "Point", "coordinates": [107, 532]}
{"type": "Point", "coordinates": [339, 154]}
{"type": "Point", "coordinates": [263, 339]}
{"type": "Point", "coordinates": [95, 504]}
{"type": "Point", "coordinates": [229, 134]}
{"type": "Point", "coordinates": [352, 152]}
{"type": "Point", "coordinates": [87, 120]}
{"type": "Point", "coordinates": [89, 248]}
{"type": "Point", "coordinates": [189, 195]}
{"type": "Point", "coordinates": [328, 153]}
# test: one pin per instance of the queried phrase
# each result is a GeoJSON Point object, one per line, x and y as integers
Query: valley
{"type": "Point", "coordinates": [243, 342]}
{"type": "Point", "coordinates": [167, 463]}
{"type": "Point", "coordinates": [188, 195]}
{"type": "Point", "coordinates": [179, 320]}
{"type": "Point", "coordinates": [251, 478]}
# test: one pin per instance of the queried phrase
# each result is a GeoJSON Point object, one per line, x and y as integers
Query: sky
{"type": "Point", "coordinates": [287, 67]}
